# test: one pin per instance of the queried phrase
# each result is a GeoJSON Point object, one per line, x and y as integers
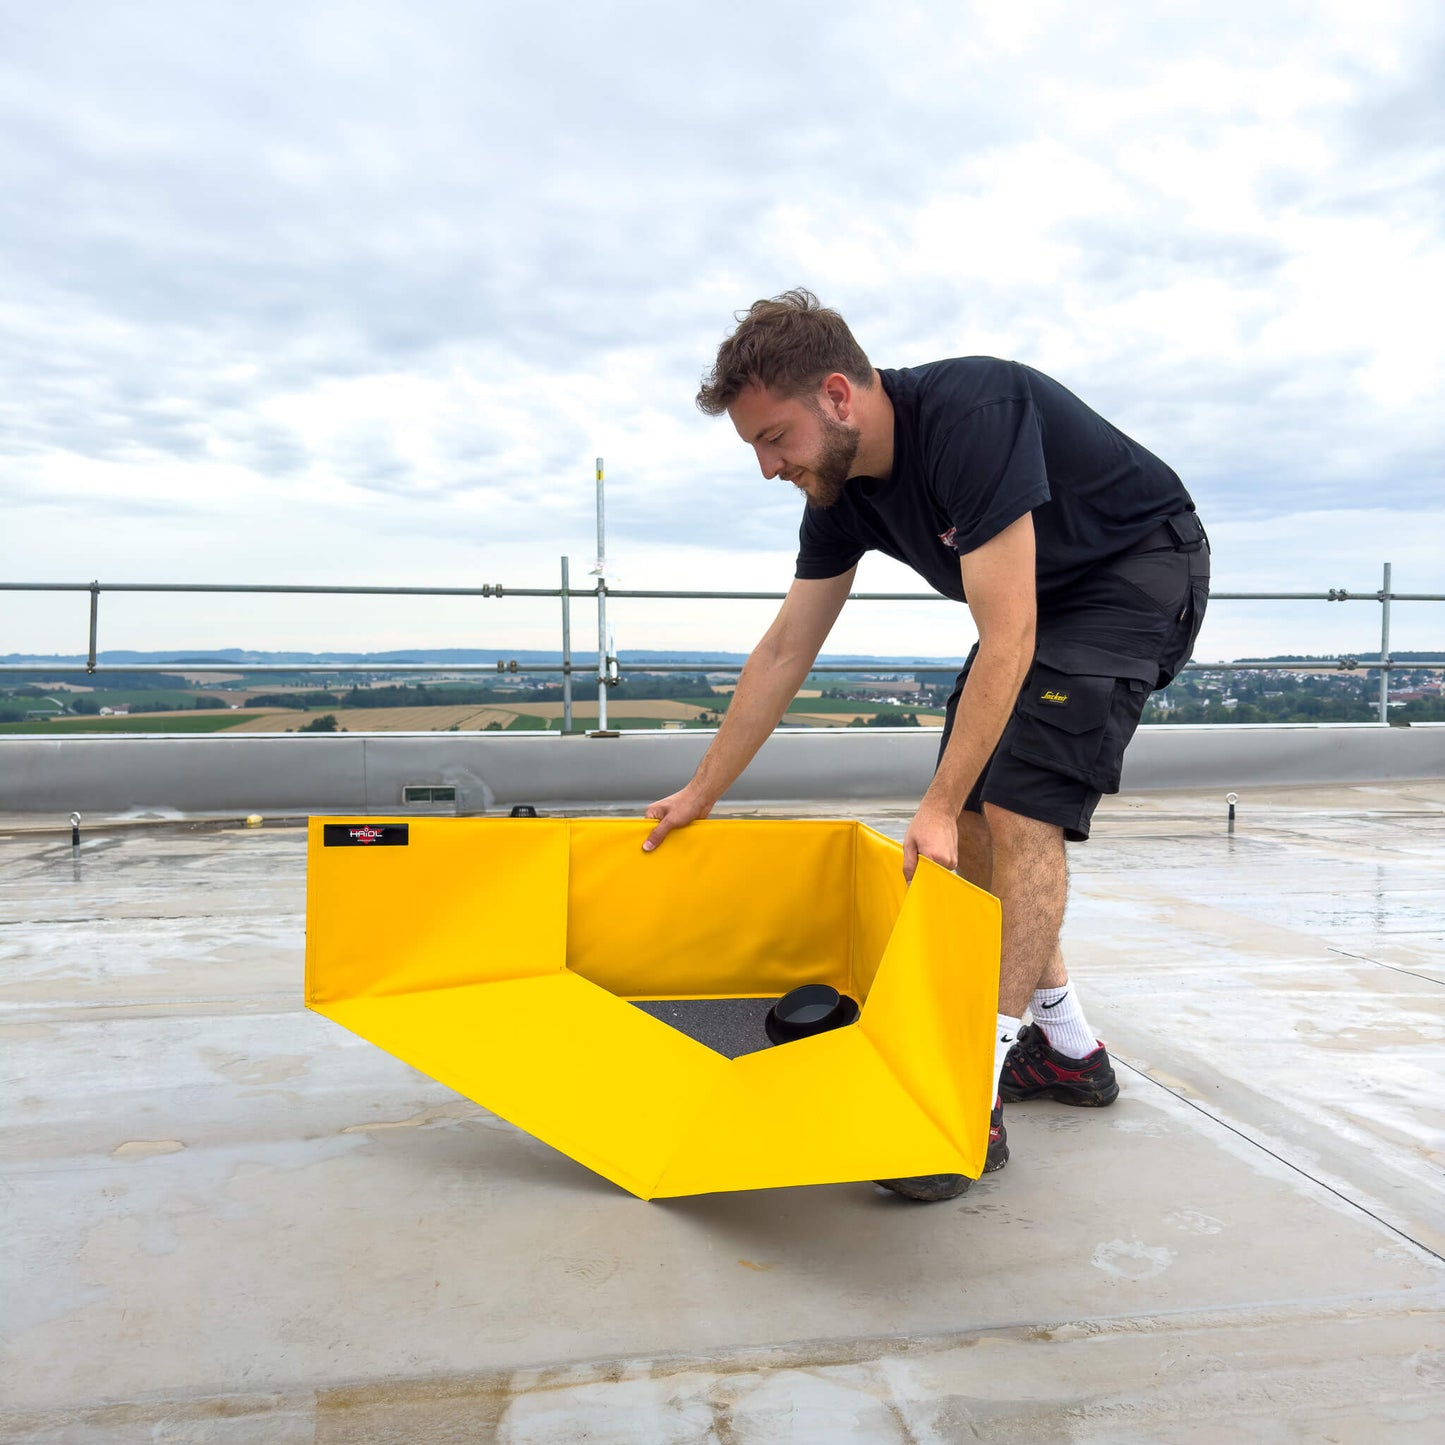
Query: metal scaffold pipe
{"type": "Point", "coordinates": [1385, 647]}
{"type": "Point", "coordinates": [601, 654]}
{"type": "Point", "coordinates": [601, 573]}
{"type": "Point", "coordinates": [566, 645]}
{"type": "Point", "coordinates": [94, 623]}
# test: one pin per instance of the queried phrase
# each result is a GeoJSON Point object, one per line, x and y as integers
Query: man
{"type": "Point", "coordinates": [1086, 571]}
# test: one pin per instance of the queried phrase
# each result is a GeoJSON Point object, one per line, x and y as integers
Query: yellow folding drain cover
{"type": "Point", "coordinates": [500, 957]}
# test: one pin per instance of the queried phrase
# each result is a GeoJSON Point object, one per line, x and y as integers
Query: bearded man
{"type": "Point", "coordinates": [1086, 571]}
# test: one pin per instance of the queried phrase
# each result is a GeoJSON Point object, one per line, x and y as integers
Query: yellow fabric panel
{"type": "Point", "coordinates": [878, 892]}
{"type": "Point", "coordinates": [823, 1110]}
{"type": "Point", "coordinates": [466, 899]}
{"type": "Point", "coordinates": [449, 953]}
{"type": "Point", "coordinates": [587, 1073]}
{"type": "Point", "coordinates": [725, 909]}
{"type": "Point", "coordinates": [933, 1005]}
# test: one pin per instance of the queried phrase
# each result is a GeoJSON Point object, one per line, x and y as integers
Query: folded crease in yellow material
{"type": "Point", "coordinates": [499, 957]}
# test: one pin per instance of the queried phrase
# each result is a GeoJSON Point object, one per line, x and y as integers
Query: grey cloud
{"type": "Point", "coordinates": [365, 455]}
{"type": "Point", "coordinates": [328, 192]}
{"type": "Point", "coordinates": [1402, 114]}
{"type": "Point", "coordinates": [112, 502]}
{"type": "Point", "coordinates": [1120, 259]}
{"type": "Point", "coordinates": [1264, 439]}
{"type": "Point", "coordinates": [268, 448]}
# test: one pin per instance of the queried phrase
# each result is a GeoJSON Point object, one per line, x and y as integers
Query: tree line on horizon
{"type": "Point", "coordinates": [1213, 697]}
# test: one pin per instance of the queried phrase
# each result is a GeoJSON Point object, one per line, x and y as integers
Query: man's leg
{"type": "Point", "coordinates": [975, 851]}
{"type": "Point", "coordinates": [1055, 975]}
{"type": "Point", "coordinates": [1058, 1056]}
{"type": "Point", "coordinates": [1136, 618]}
{"type": "Point", "coordinates": [975, 863]}
{"type": "Point", "coordinates": [1031, 882]}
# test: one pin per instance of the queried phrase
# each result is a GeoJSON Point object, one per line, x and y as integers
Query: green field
{"type": "Point", "coordinates": [102, 696]}
{"type": "Point", "coordinates": [589, 724]}
{"type": "Point", "coordinates": [141, 723]}
{"type": "Point", "coordinates": [623, 721]}
{"type": "Point", "coordinates": [618, 717]}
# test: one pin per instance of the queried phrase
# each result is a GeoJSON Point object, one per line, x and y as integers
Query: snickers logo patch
{"type": "Point", "coordinates": [1054, 697]}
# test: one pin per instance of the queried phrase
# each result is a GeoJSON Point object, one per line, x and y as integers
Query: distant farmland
{"type": "Point", "coordinates": [145, 722]}
{"type": "Point", "coordinates": [808, 709]}
{"type": "Point", "coordinates": [467, 717]}
{"type": "Point", "coordinates": [842, 720]}
{"type": "Point", "coordinates": [639, 707]}
{"type": "Point", "coordinates": [519, 716]}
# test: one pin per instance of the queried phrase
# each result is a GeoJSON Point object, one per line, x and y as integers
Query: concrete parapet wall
{"type": "Point", "coordinates": [365, 773]}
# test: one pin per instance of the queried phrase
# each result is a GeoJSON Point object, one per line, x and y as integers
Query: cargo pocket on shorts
{"type": "Point", "coordinates": [1191, 619]}
{"type": "Point", "coordinates": [1077, 712]}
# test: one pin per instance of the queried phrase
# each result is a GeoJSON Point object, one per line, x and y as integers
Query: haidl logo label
{"type": "Point", "coordinates": [365, 835]}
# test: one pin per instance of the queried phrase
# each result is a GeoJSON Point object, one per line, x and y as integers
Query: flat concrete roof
{"type": "Point", "coordinates": [230, 1220]}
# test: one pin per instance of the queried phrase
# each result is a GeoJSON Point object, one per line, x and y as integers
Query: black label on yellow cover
{"type": "Point", "coordinates": [364, 835]}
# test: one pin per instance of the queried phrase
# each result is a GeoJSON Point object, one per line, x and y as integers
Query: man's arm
{"type": "Point", "coordinates": [998, 580]}
{"type": "Point", "coordinates": [770, 679]}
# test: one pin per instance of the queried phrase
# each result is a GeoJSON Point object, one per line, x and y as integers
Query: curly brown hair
{"type": "Point", "coordinates": [788, 345]}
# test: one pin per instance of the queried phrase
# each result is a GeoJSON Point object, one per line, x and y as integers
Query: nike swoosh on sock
{"type": "Point", "coordinates": [1055, 1003]}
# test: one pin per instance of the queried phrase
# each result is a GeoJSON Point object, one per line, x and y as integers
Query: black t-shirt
{"type": "Point", "coordinates": [978, 442]}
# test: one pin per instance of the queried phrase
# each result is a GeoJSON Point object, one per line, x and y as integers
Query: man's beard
{"type": "Point", "coordinates": [835, 462]}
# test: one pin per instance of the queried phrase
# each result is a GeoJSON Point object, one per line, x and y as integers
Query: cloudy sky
{"type": "Point", "coordinates": [354, 293]}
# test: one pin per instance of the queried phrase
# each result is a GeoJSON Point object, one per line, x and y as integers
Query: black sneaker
{"type": "Point", "coordinates": [1034, 1069]}
{"type": "Point", "coordinates": [932, 1187]}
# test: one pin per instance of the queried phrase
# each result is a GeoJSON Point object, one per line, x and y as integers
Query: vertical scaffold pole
{"type": "Point", "coordinates": [566, 645]}
{"type": "Point", "coordinates": [601, 570]}
{"type": "Point", "coordinates": [1385, 647]}
{"type": "Point", "coordinates": [94, 623]}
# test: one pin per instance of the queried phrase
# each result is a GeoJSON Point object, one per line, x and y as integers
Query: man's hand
{"type": "Point", "coordinates": [933, 834]}
{"type": "Point", "coordinates": [675, 811]}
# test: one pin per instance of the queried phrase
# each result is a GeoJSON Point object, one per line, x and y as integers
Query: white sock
{"type": "Point", "coordinates": [1058, 1013]}
{"type": "Point", "coordinates": [1008, 1031]}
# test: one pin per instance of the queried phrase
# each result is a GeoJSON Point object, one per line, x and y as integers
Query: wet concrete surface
{"type": "Point", "coordinates": [229, 1220]}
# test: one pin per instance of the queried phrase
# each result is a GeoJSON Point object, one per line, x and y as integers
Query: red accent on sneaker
{"type": "Point", "coordinates": [1034, 1069]}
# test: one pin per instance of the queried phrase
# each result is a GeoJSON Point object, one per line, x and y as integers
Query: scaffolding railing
{"type": "Point", "coordinates": [608, 668]}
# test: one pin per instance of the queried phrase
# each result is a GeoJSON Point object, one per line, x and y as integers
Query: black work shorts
{"type": "Point", "coordinates": [1120, 632]}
